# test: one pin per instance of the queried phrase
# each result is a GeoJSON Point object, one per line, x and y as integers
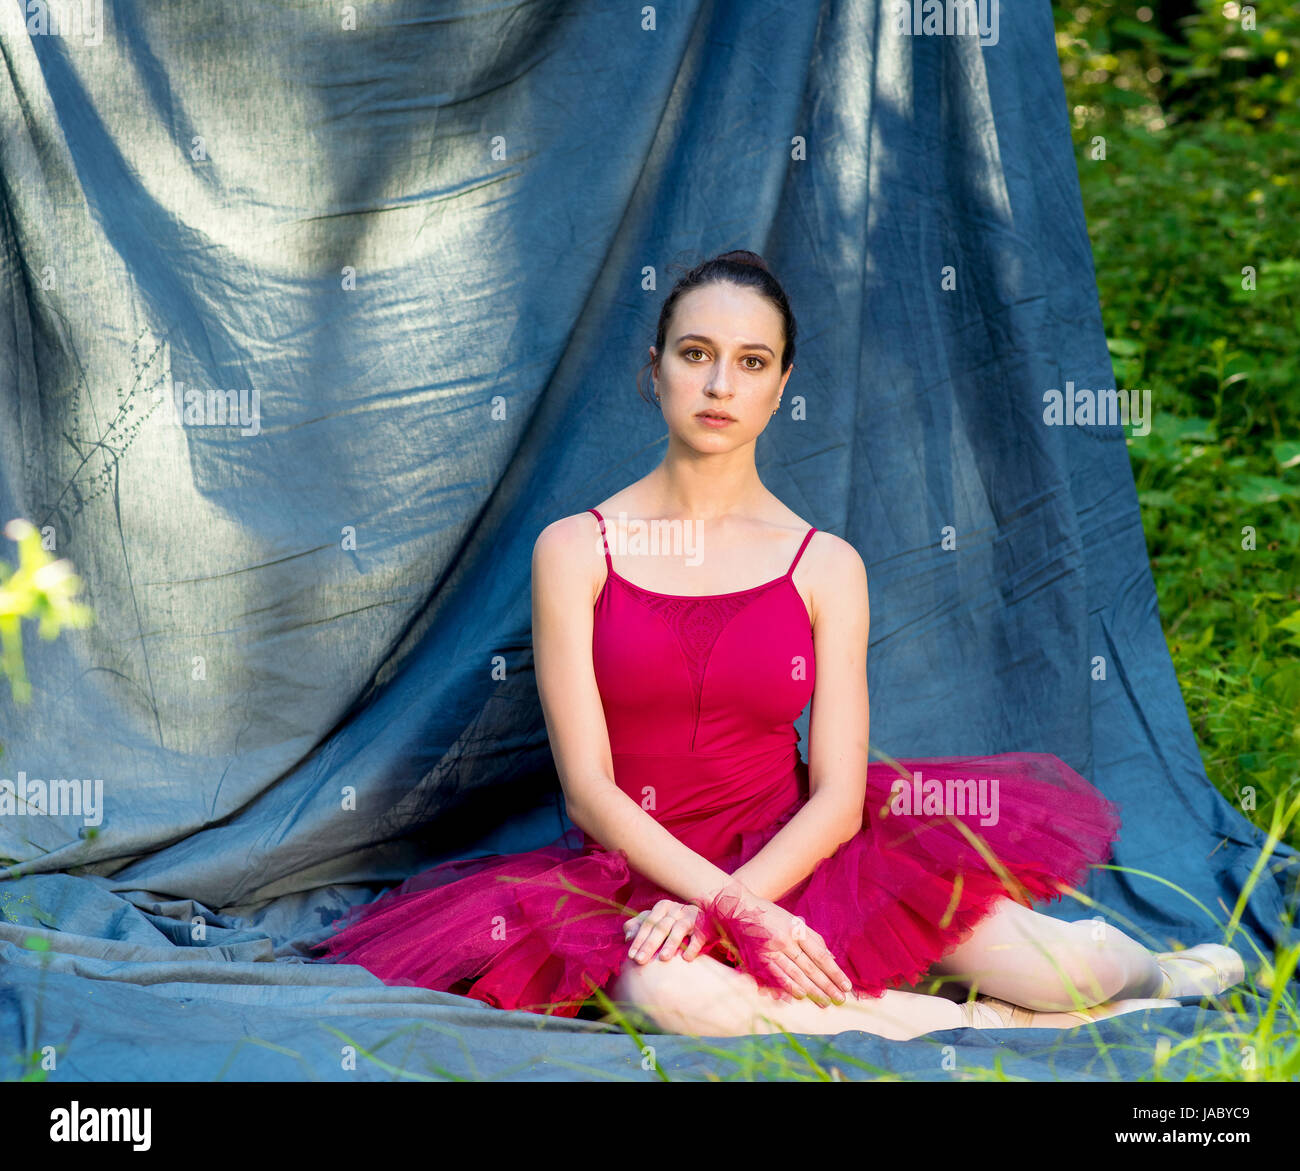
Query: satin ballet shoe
{"type": "Point", "coordinates": [1204, 970]}
{"type": "Point", "coordinates": [987, 1012]}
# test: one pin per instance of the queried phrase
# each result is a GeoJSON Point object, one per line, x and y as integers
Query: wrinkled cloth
{"type": "Point", "coordinates": [435, 245]}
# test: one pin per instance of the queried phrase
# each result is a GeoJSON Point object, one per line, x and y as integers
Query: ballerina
{"type": "Point", "coordinates": [716, 882]}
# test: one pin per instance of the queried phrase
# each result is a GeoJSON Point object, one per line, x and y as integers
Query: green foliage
{"type": "Point", "coordinates": [1188, 147]}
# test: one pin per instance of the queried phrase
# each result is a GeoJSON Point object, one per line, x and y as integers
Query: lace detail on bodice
{"type": "Point", "coordinates": [697, 623]}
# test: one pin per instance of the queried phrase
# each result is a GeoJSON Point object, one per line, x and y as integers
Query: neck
{"type": "Point", "coordinates": [689, 484]}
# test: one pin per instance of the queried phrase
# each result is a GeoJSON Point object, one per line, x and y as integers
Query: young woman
{"type": "Point", "coordinates": [717, 882]}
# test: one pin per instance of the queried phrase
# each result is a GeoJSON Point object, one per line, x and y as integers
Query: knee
{"type": "Point", "coordinates": [655, 989]}
{"type": "Point", "coordinates": [681, 997]}
{"type": "Point", "coordinates": [1088, 965]}
{"type": "Point", "coordinates": [649, 983]}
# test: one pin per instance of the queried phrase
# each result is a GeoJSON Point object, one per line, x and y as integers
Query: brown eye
{"type": "Point", "coordinates": [693, 350]}
{"type": "Point", "coordinates": [760, 361]}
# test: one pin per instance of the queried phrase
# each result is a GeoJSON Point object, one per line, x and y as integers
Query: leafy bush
{"type": "Point", "coordinates": [1186, 119]}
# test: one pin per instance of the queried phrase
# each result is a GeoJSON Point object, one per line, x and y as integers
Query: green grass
{"type": "Point", "coordinates": [1201, 140]}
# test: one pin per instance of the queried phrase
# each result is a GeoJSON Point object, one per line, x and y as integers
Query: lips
{"type": "Point", "coordinates": [722, 416]}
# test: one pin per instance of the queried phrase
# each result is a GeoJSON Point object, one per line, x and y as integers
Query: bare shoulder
{"type": "Point", "coordinates": [836, 576]}
{"type": "Point", "coordinates": [569, 534]}
{"type": "Point", "coordinates": [834, 560]}
{"type": "Point", "coordinates": [568, 551]}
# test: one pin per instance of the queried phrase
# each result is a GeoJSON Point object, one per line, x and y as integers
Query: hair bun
{"type": "Point", "coordinates": [744, 256]}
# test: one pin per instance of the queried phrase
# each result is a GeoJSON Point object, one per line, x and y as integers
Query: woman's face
{"type": "Point", "coordinates": [722, 356]}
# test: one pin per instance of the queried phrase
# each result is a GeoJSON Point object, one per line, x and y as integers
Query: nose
{"type": "Point", "coordinates": [718, 385]}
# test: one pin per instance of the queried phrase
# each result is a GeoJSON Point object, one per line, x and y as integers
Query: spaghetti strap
{"type": "Point", "coordinates": [807, 538]}
{"type": "Point", "coordinates": [609, 561]}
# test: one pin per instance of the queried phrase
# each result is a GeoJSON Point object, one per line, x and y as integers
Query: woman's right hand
{"type": "Point", "coordinates": [663, 931]}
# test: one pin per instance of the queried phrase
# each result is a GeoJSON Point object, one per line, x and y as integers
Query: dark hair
{"type": "Point", "coordinates": [742, 268]}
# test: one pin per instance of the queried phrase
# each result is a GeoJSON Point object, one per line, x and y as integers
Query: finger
{"type": "Point", "coordinates": [823, 958]}
{"type": "Point", "coordinates": [786, 995]}
{"type": "Point", "coordinates": [795, 984]}
{"type": "Point", "coordinates": [823, 988]}
{"type": "Point", "coordinates": [643, 933]}
{"type": "Point", "coordinates": [825, 971]}
{"type": "Point", "coordinates": [656, 935]}
{"type": "Point", "coordinates": [663, 912]}
{"type": "Point", "coordinates": [672, 943]}
{"type": "Point", "coordinates": [632, 926]}
{"type": "Point", "coordinates": [697, 942]}
{"type": "Point", "coordinates": [806, 977]}
{"type": "Point", "coordinates": [811, 954]}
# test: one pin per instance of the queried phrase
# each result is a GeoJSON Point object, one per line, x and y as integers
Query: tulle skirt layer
{"type": "Point", "coordinates": [943, 839]}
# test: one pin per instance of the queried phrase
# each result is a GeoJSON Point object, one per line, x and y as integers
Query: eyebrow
{"type": "Point", "coordinates": [699, 337]}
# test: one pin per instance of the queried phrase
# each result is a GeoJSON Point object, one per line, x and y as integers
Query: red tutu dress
{"type": "Point", "coordinates": [700, 695]}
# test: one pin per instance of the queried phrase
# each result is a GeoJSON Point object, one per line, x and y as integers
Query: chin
{"type": "Point", "coordinates": [714, 444]}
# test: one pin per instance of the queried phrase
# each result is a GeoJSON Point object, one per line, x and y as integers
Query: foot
{"type": "Point", "coordinates": [1204, 970]}
{"type": "Point", "coordinates": [986, 1012]}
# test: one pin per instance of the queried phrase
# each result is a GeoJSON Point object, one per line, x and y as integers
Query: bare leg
{"type": "Point", "coordinates": [1028, 958]}
{"type": "Point", "coordinates": [705, 998]}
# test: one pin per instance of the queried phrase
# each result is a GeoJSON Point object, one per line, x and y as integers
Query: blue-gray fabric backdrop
{"type": "Point", "coordinates": [426, 246]}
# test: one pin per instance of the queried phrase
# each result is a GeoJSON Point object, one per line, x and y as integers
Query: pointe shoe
{"type": "Point", "coordinates": [987, 1012]}
{"type": "Point", "coordinates": [1204, 970]}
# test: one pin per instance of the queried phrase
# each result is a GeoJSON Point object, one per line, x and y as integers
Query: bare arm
{"type": "Point", "coordinates": [838, 730]}
{"type": "Point", "coordinates": [565, 585]}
